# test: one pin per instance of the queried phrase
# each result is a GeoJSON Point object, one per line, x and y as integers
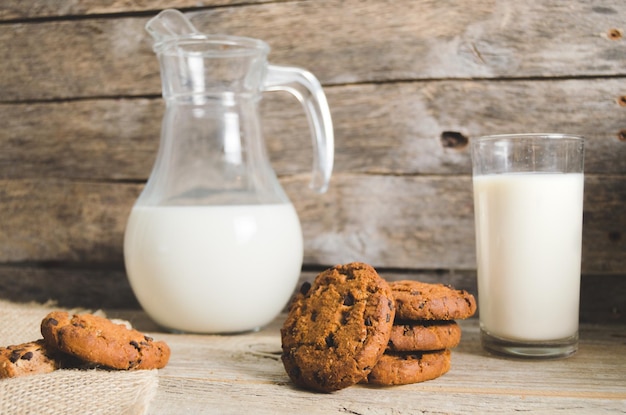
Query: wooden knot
{"type": "Point", "coordinates": [614, 34]}
{"type": "Point", "coordinates": [453, 139]}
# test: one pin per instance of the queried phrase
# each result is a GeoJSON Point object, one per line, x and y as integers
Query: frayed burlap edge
{"type": "Point", "coordinates": [67, 391]}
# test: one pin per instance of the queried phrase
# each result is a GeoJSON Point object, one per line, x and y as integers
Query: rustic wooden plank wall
{"type": "Point", "coordinates": [409, 83]}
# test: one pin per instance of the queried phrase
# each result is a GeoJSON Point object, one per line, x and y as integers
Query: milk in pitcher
{"type": "Point", "coordinates": [213, 268]}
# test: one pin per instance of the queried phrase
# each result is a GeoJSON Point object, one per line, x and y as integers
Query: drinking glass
{"type": "Point", "coordinates": [528, 206]}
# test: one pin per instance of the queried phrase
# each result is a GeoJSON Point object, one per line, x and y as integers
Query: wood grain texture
{"type": "Point", "coordinates": [51, 220]}
{"type": "Point", "coordinates": [235, 374]}
{"type": "Point", "coordinates": [21, 9]}
{"type": "Point", "coordinates": [89, 286]}
{"type": "Point", "coordinates": [355, 41]}
{"type": "Point", "coordinates": [340, 41]}
{"type": "Point", "coordinates": [391, 128]}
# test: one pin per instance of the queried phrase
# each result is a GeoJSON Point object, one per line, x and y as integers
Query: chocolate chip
{"type": "Point", "coordinates": [348, 300]}
{"type": "Point", "coordinates": [27, 356]}
{"type": "Point", "coordinates": [15, 356]}
{"type": "Point", "coordinates": [368, 321]}
{"type": "Point", "coordinates": [313, 315]}
{"type": "Point", "coordinates": [350, 275]}
{"type": "Point", "coordinates": [330, 340]}
{"type": "Point", "coordinates": [344, 317]}
{"type": "Point", "coordinates": [78, 323]}
{"type": "Point", "coordinates": [148, 339]}
{"type": "Point", "coordinates": [305, 287]}
{"type": "Point", "coordinates": [135, 344]}
{"type": "Point", "coordinates": [53, 321]}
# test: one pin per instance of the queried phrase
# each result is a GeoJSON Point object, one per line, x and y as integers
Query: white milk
{"type": "Point", "coordinates": [528, 236]}
{"type": "Point", "coordinates": [213, 269]}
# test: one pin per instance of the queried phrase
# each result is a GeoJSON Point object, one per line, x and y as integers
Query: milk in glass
{"type": "Point", "coordinates": [528, 235]}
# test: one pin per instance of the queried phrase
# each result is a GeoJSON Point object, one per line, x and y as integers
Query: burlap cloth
{"type": "Point", "coordinates": [67, 391]}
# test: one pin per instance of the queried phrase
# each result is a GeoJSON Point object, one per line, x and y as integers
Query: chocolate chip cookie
{"type": "Point", "coordinates": [412, 367]}
{"type": "Point", "coordinates": [27, 359]}
{"type": "Point", "coordinates": [424, 336]}
{"type": "Point", "coordinates": [100, 341]}
{"type": "Point", "coordinates": [423, 301]}
{"type": "Point", "coordinates": [337, 328]}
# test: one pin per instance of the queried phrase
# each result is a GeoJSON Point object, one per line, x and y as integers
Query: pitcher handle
{"type": "Point", "coordinates": [308, 90]}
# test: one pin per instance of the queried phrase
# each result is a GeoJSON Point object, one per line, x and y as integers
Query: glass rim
{"type": "Point", "coordinates": [221, 45]}
{"type": "Point", "coordinates": [526, 136]}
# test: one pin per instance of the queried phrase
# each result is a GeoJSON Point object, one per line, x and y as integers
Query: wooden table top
{"type": "Point", "coordinates": [243, 374]}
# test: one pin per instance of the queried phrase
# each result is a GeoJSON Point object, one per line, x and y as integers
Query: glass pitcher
{"type": "Point", "coordinates": [213, 243]}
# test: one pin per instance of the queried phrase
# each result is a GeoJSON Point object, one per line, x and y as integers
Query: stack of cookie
{"type": "Point", "coordinates": [351, 326]}
{"type": "Point", "coordinates": [423, 333]}
{"type": "Point", "coordinates": [82, 341]}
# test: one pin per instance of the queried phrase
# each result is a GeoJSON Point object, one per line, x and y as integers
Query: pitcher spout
{"type": "Point", "coordinates": [170, 24]}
